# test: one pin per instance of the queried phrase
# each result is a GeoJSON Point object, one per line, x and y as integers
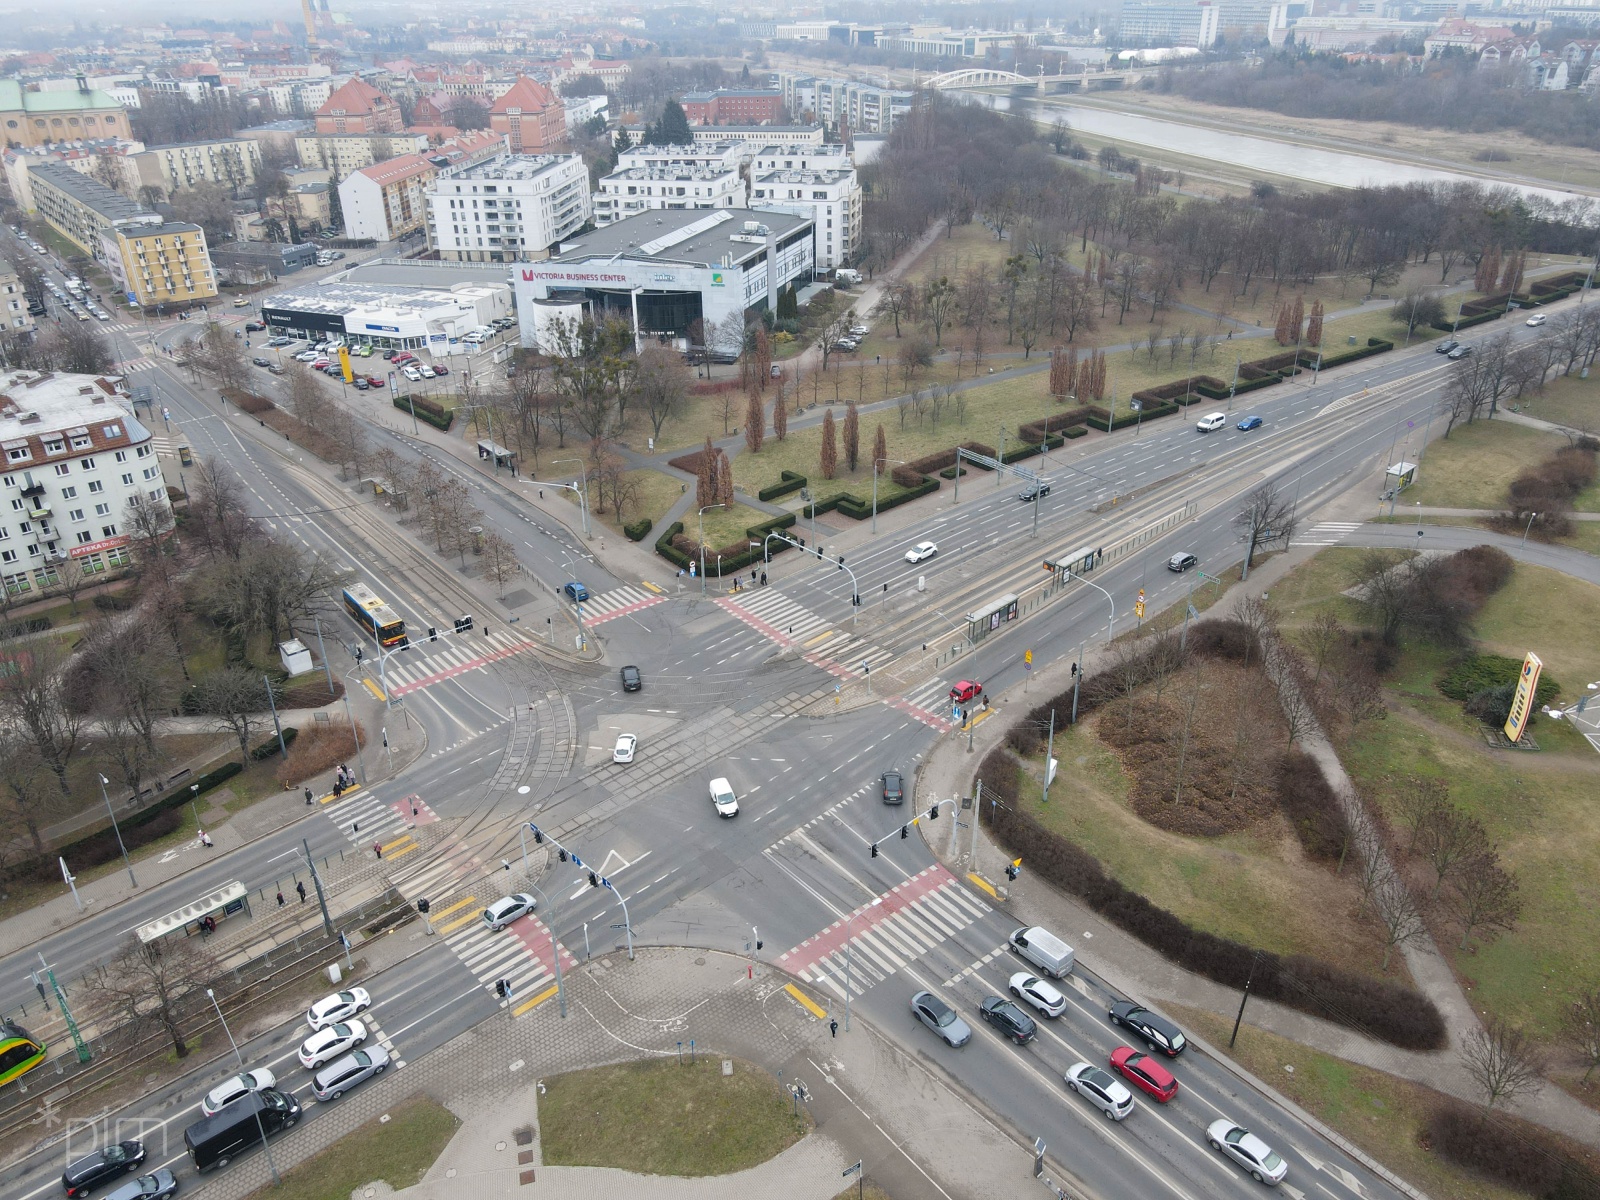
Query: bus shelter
{"type": "Point", "coordinates": [984, 621]}
{"type": "Point", "coordinates": [494, 450]}
{"type": "Point", "coordinates": [227, 901]}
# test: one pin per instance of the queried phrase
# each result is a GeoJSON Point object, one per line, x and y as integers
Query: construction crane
{"type": "Point", "coordinates": [310, 15]}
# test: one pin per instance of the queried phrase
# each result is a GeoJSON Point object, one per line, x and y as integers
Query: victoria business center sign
{"type": "Point", "coordinates": [721, 288]}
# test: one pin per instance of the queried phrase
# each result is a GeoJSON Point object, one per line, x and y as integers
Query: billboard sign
{"type": "Point", "coordinates": [344, 364]}
{"type": "Point", "coordinates": [1522, 701]}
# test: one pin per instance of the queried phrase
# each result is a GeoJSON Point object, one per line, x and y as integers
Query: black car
{"type": "Point", "coordinates": [1158, 1032]}
{"type": "Point", "coordinates": [894, 788]}
{"type": "Point", "coordinates": [262, 362]}
{"type": "Point", "coordinates": [1446, 346]}
{"type": "Point", "coordinates": [360, 383]}
{"type": "Point", "coordinates": [157, 1186]}
{"type": "Point", "coordinates": [632, 681]}
{"type": "Point", "coordinates": [1036, 491]}
{"type": "Point", "coordinates": [1008, 1019]}
{"type": "Point", "coordinates": [254, 326]}
{"type": "Point", "coordinates": [94, 1169]}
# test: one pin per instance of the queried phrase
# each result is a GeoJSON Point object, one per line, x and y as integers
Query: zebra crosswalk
{"type": "Point", "coordinates": [618, 602]}
{"type": "Point", "coordinates": [522, 954]}
{"type": "Point", "coordinates": [1327, 533]}
{"type": "Point", "coordinates": [791, 624]}
{"type": "Point", "coordinates": [130, 365]}
{"type": "Point", "coordinates": [881, 937]}
{"type": "Point", "coordinates": [368, 821]}
{"type": "Point", "coordinates": [425, 663]}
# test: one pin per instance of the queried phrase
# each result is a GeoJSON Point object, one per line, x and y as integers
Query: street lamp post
{"type": "Point", "coordinates": [116, 828]}
{"type": "Point", "coordinates": [701, 517]}
{"type": "Point", "coordinates": [1523, 545]}
{"type": "Point", "coordinates": [583, 496]}
{"type": "Point", "coordinates": [272, 1166]}
{"type": "Point", "coordinates": [848, 959]}
{"type": "Point", "coordinates": [354, 734]}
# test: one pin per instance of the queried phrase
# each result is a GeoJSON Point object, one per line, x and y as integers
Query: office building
{"type": "Point", "coordinates": [510, 208]}
{"type": "Point", "coordinates": [76, 458]}
{"type": "Point", "coordinates": [629, 191]}
{"type": "Point", "coordinates": [830, 198]}
{"type": "Point", "coordinates": [1169, 23]}
{"type": "Point", "coordinates": [387, 315]}
{"type": "Point", "coordinates": [733, 106]}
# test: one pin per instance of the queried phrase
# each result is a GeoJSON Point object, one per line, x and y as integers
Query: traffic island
{"type": "Point", "coordinates": [688, 1116]}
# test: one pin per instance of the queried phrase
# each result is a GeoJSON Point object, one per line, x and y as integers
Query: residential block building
{"type": "Point", "coordinates": [508, 209]}
{"type": "Point", "coordinates": [389, 199]}
{"type": "Point", "coordinates": [530, 116]}
{"type": "Point", "coordinates": [733, 106]}
{"type": "Point", "coordinates": [341, 153]}
{"type": "Point", "coordinates": [75, 459]}
{"type": "Point", "coordinates": [231, 162]}
{"type": "Point", "coordinates": [629, 191]}
{"type": "Point", "coordinates": [831, 198]}
{"type": "Point", "coordinates": [358, 107]}
{"type": "Point", "coordinates": [844, 103]}
{"type": "Point", "coordinates": [13, 302]}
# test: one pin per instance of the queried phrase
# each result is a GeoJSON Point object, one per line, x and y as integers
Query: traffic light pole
{"type": "Point", "coordinates": [595, 879]}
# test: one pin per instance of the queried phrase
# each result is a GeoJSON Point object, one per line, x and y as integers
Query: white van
{"type": "Point", "coordinates": [1211, 421]}
{"type": "Point", "coordinates": [1044, 950]}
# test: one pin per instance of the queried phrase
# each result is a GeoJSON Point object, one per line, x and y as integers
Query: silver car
{"type": "Point", "coordinates": [332, 1082]}
{"type": "Point", "coordinates": [1101, 1089]}
{"type": "Point", "coordinates": [941, 1018]}
{"type": "Point", "coordinates": [1250, 1152]}
{"type": "Point", "coordinates": [504, 911]}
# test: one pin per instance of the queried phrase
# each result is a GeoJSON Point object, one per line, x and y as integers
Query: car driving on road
{"type": "Point", "coordinates": [338, 1007]}
{"type": "Point", "coordinates": [627, 745]}
{"type": "Point", "coordinates": [508, 909]}
{"type": "Point", "coordinates": [1155, 1029]}
{"type": "Point", "coordinates": [1181, 561]}
{"type": "Point", "coordinates": [239, 1085]}
{"type": "Point", "coordinates": [941, 1018]}
{"type": "Point", "coordinates": [1008, 1019]}
{"type": "Point", "coordinates": [1038, 994]}
{"type": "Point", "coordinates": [1250, 1152]}
{"type": "Point", "coordinates": [723, 799]}
{"type": "Point", "coordinates": [328, 1044]}
{"type": "Point", "coordinates": [921, 551]}
{"type": "Point", "coordinates": [1101, 1089]}
{"type": "Point", "coordinates": [84, 1174]}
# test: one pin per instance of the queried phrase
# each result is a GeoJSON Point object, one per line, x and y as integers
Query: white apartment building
{"type": "Point", "coordinates": [14, 314]}
{"type": "Point", "coordinates": [830, 157]}
{"type": "Point", "coordinates": [630, 191]}
{"type": "Point", "coordinates": [831, 198]}
{"type": "Point", "coordinates": [726, 155]}
{"type": "Point", "coordinates": [75, 459]}
{"type": "Point", "coordinates": [511, 208]}
{"type": "Point", "coordinates": [231, 162]}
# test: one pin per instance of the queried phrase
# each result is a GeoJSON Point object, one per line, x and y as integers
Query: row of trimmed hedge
{"type": "Point", "coordinates": [1035, 431]}
{"type": "Point", "coordinates": [430, 411]}
{"type": "Point", "coordinates": [1509, 1150]}
{"type": "Point", "coordinates": [1103, 420]}
{"type": "Point", "coordinates": [1396, 1014]}
{"type": "Point", "coordinates": [1491, 308]}
{"type": "Point", "coordinates": [638, 530]}
{"type": "Point", "coordinates": [735, 556]}
{"type": "Point", "coordinates": [788, 482]}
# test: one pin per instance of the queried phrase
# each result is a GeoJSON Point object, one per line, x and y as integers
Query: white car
{"type": "Point", "coordinates": [307, 356]}
{"type": "Point", "coordinates": [412, 374]}
{"type": "Point", "coordinates": [338, 1007]}
{"type": "Point", "coordinates": [506, 910]}
{"type": "Point", "coordinates": [1250, 1152]}
{"type": "Point", "coordinates": [1537, 319]}
{"type": "Point", "coordinates": [240, 1085]}
{"type": "Point", "coordinates": [624, 751]}
{"type": "Point", "coordinates": [325, 1045]}
{"type": "Point", "coordinates": [723, 799]}
{"type": "Point", "coordinates": [1038, 994]}
{"type": "Point", "coordinates": [921, 551]}
{"type": "Point", "coordinates": [1211, 421]}
{"type": "Point", "coordinates": [1100, 1088]}
{"type": "Point", "coordinates": [426, 371]}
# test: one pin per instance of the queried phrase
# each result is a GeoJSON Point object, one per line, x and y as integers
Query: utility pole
{"type": "Point", "coordinates": [316, 882]}
{"type": "Point", "coordinates": [1049, 750]}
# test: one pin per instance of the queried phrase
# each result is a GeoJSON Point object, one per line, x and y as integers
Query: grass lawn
{"type": "Point", "coordinates": [656, 494]}
{"type": "Point", "coordinates": [1254, 886]}
{"type": "Point", "coordinates": [663, 1117]}
{"type": "Point", "coordinates": [1378, 324]}
{"type": "Point", "coordinates": [863, 1191]}
{"type": "Point", "coordinates": [723, 526]}
{"type": "Point", "coordinates": [1380, 1113]}
{"type": "Point", "coordinates": [1473, 466]}
{"type": "Point", "coordinates": [398, 1151]}
{"type": "Point", "coordinates": [1568, 400]}
{"type": "Point", "coordinates": [1538, 807]}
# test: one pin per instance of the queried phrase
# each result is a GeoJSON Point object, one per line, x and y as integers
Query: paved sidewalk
{"type": "Point", "coordinates": [870, 1100]}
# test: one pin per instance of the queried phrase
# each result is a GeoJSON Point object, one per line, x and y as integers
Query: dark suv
{"type": "Point", "coordinates": [1037, 491]}
{"type": "Point", "coordinates": [1008, 1019]}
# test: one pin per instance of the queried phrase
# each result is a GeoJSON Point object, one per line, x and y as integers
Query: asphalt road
{"type": "Point", "coordinates": [798, 857]}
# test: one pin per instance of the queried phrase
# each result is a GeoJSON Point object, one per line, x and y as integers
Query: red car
{"type": "Point", "coordinates": [374, 381]}
{"type": "Point", "coordinates": [966, 690]}
{"type": "Point", "coordinates": [440, 369]}
{"type": "Point", "coordinates": [1144, 1072]}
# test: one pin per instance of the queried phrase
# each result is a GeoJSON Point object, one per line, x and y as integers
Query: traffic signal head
{"type": "Point", "coordinates": [1012, 872]}
{"type": "Point", "coordinates": [905, 832]}
{"type": "Point", "coordinates": [500, 988]}
{"type": "Point", "coordinates": [594, 880]}
{"type": "Point", "coordinates": [562, 855]}
{"type": "Point", "coordinates": [538, 834]}
{"type": "Point", "coordinates": [874, 849]}
{"type": "Point", "coordinates": [933, 812]}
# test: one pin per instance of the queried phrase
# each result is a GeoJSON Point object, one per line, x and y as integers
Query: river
{"type": "Point", "coordinates": [1332, 168]}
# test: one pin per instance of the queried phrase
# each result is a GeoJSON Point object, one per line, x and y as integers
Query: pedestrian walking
{"type": "Point", "coordinates": [377, 848]}
{"type": "Point", "coordinates": [301, 888]}
{"type": "Point", "coordinates": [308, 795]}
{"type": "Point", "coordinates": [355, 826]}
{"type": "Point", "coordinates": [281, 900]}
{"type": "Point", "coordinates": [337, 788]}
{"type": "Point", "coordinates": [833, 1027]}
{"type": "Point", "coordinates": [763, 579]}
{"type": "Point", "coordinates": [205, 838]}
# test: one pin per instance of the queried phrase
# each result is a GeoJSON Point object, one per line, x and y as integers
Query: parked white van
{"type": "Point", "coordinates": [1044, 950]}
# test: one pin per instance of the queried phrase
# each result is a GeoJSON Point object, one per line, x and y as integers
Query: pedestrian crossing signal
{"type": "Point", "coordinates": [423, 906]}
{"type": "Point", "coordinates": [933, 813]}
{"type": "Point", "coordinates": [905, 832]}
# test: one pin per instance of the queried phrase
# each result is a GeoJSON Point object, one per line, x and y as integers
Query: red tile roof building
{"type": "Point", "coordinates": [531, 116]}
{"type": "Point", "coordinates": [358, 107]}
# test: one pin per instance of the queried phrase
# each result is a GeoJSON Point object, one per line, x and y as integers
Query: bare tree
{"type": "Point", "coordinates": [154, 985]}
{"type": "Point", "coordinates": [148, 523]}
{"type": "Point", "coordinates": [27, 801]}
{"type": "Point", "coordinates": [898, 301]}
{"type": "Point", "coordinates": [1581, 1028]}
{"type": "Point", "coordinates": [1298, 715]}
{"type": "Point", "coordinates": [1451, 840]}
{"type": "Point", "coordinates": [1268, 519]}
{"type": "Point", "coordinates": [500, 565]}
{"type": "Point", "coordinates": [1503, 1061]}
{"type": "Point", "coordinates": [219, 519]}
{"type": "Point", "coordinates": [661, 382]}
{"type": "Point", "coordinates": [1400, 915]}
{"type": "Point", "coordinates": [1484, 896]}
{"type": "Point", "coordinates": [32, 700]}
{"type": "Point", "coordinates": [1321, 638]}
{"type": "Point", "coordinates": [1383, 586]}
{"type": "Point", "coordinates": [236, 698]}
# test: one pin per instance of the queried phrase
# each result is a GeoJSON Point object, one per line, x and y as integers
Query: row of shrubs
{"type": "Point", "coordinates": [428, 411]}
{"type": "Point", "coordinates": [1550, 487]}
{"type": "Point", "coordinates": [1490, 308]}
{"type": "Point", "coordinates": [1472, 673]}
{"type": "Point", "coordinates": [1509, 1150]}
{"type": "Point", "coordinates": [639, 529]}
{"type": "Point", "coordinates": [1376, 1007]}
{"type": "Point", "coordinates": [678, 548]}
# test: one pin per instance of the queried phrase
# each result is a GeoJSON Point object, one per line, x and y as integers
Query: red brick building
{"type": "Point", "coordinates": [734, 106]}
{"type": "Point", "coordinates": [358, 107]}
{"type": "Point", "coordinates": [531, 116]}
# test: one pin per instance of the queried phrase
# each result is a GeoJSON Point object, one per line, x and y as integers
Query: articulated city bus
{"type": "Point", "coordinates": [20, 1052]}
{"type": "Point", "coordinates": [373, 611]}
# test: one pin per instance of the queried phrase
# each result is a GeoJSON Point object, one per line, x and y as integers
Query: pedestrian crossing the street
{"type": "Point", "coordinates": [787, 623]}
{"type": "Point", "coordinates": [1327, 533]}
{"type": "Point", "coordinates": [880, 938]}
{"type": "Point", "coordinates": [368, 821]}
{"type": "Point", "coordinates": [618, 602]}
{"type": "Point", "coordinates": [522, 953]}
{"type": "Point", "coordinates": [426, 663]}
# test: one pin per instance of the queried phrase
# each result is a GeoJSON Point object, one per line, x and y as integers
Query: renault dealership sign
{"type": "Point", "coordinates": [1522, 701]}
